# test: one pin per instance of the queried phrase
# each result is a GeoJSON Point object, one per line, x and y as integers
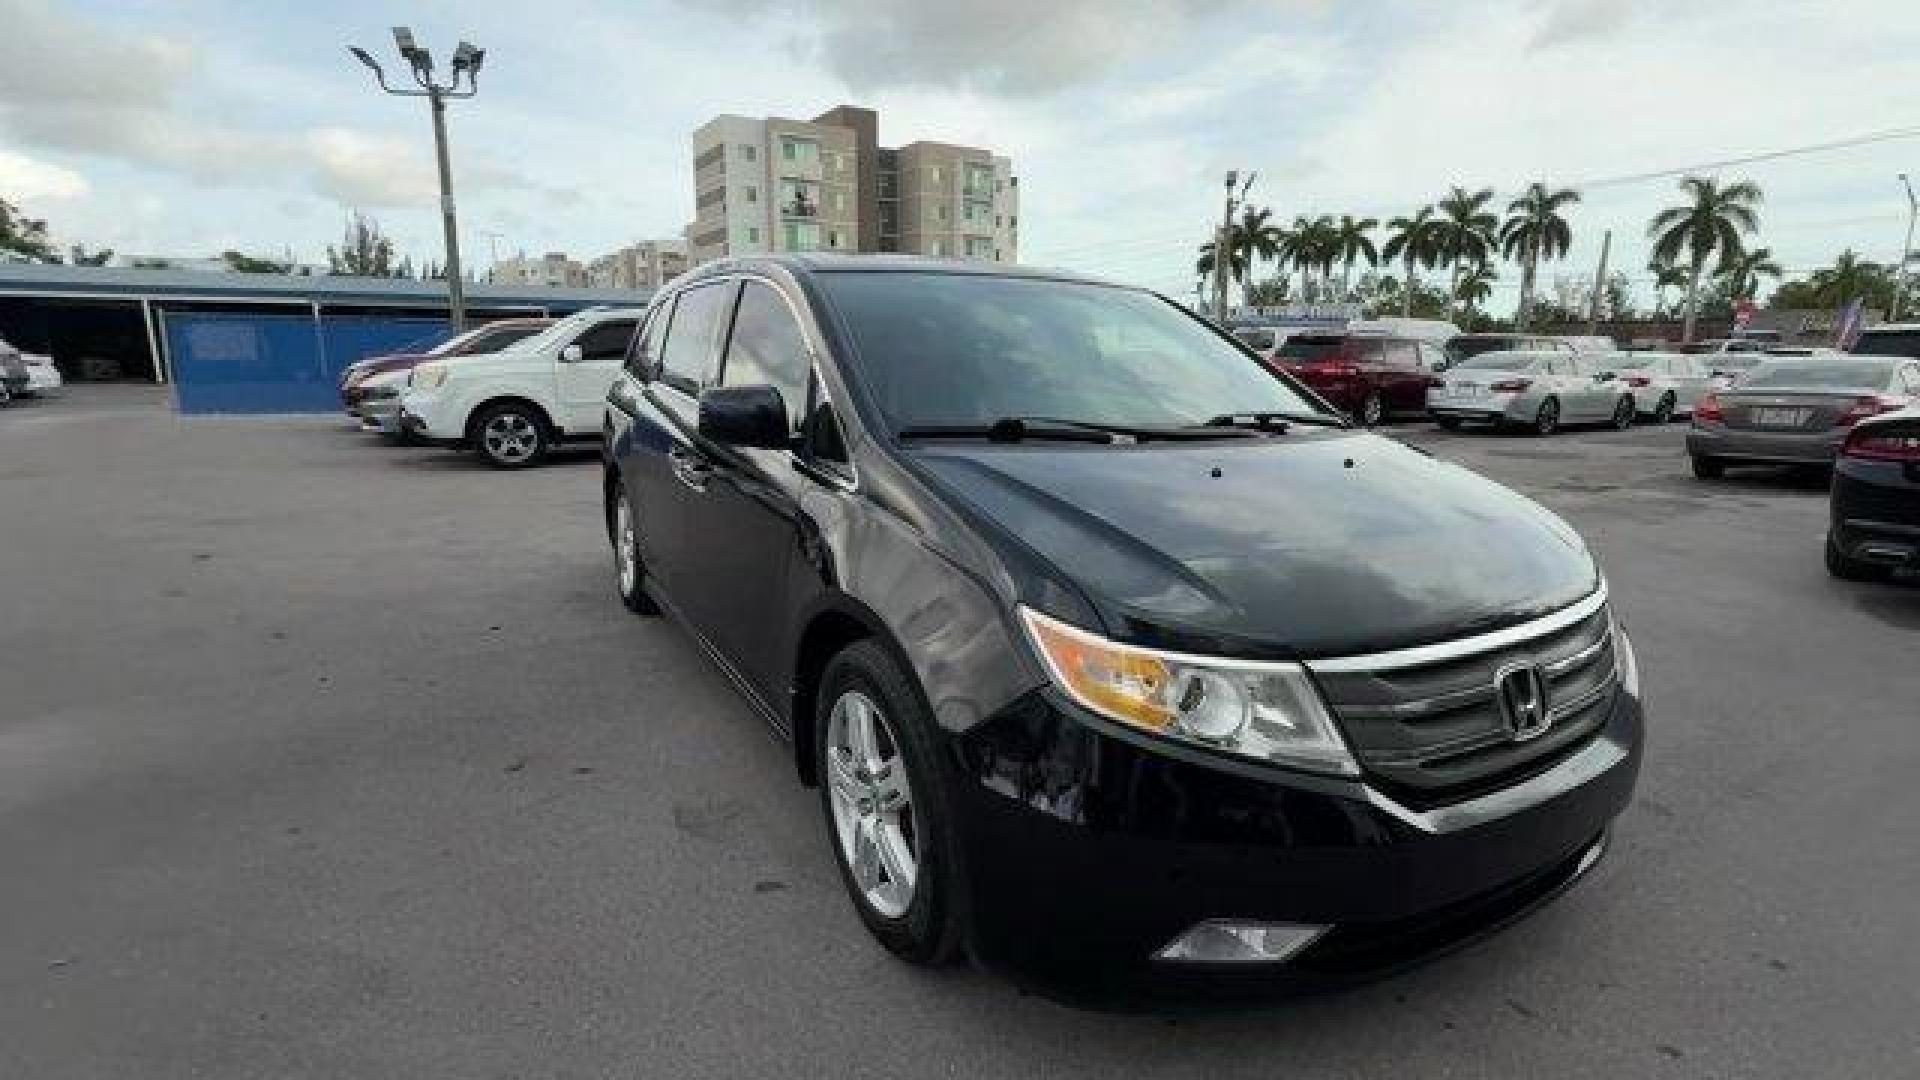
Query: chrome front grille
{"type": "Point", "coordinates": [1431, 724]}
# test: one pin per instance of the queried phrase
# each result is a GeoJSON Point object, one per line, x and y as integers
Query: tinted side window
{"type": "Point", "coordinates": [1368, 350]}
{"type": "Point", "coordinates": [768, 348]}
{"type": "Point", "coordinates": [687, 362]}
{"type": "Point", "coordinates": [1431, 357]}
{"type": "Point", "coordinates": [643, 360]}
{"type": "Point", "coordinates": [608, 341]}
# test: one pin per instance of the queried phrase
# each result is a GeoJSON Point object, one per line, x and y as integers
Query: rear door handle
{"type": "Point", "coordinates": [689, 469]}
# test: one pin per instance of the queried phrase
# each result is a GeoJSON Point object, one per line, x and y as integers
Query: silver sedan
{"type": "Point", "coordinates": [1537, 390]}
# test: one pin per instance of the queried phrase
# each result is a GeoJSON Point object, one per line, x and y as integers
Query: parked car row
{"type": "Point", "coordinates": [371, 388]}
{"type": "Point", "coordinates": [25, 374]}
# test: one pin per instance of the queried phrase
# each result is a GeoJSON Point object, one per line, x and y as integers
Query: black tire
{"type": "Point", "coordinates": [1663, 412]}
{"type": "Point", "coordinates": [1625, 412]}
{"type": "Point", "coordinates": [1547, 420]}
{"type": "Point", "coordinates": [1846, 568]}
{"type": "Point", "coordinates": [927, 931]}
{"type": "Point", "coordinates": [629, 577]}
{"type": "Point", "coordinates": [1708, 468]}
{"type": "Point", "coordinates": [1448, 423]}
{"type": "Point", "coordinates": [1373, 410]}
{"type": "Point", "coordinates": [510, 436]}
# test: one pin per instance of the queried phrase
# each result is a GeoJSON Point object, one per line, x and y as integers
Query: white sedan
{"type": "Point", "coordinates": [42, 376]}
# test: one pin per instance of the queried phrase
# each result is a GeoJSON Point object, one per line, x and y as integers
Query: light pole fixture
{"type": "Point", "coordinates": [466, 61]}
{"type": "Point", "coordinates": [1906, 252]}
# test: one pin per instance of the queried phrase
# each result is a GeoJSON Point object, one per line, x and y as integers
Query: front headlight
{"type": "Point", "coordinates": [1270, 712]}
{"type": "Point", "coordinates": [427, 376]}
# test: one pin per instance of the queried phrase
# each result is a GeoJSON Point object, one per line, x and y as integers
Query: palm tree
{"type": "Point", "coordinates": [1352, 242]}
{"type": "Point", "coordinates": [1257, 241]}
{"type": "Point", "coordinates": [1250, 239]}
{"type": "Point", "coordinates": [1665, 276]}
{"type": "Point", "coordinates": [1412, 240]}
{"type": "Point", "coordinates": [1711, 224]}
{"type": "Point", "coordinates": [1743, 273]}
{"type": "Point", "coordinates": [1849, 277]}
{"type": "Point", "coordinates": [1533, 231]}
{"type": "Point", "coordinates": [1464, 234]}
{"type": "Point", "coordinates": [1475, 286]}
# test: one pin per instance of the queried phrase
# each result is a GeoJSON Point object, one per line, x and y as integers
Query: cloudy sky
{"type": "Point", "coordinates": [179, 127]}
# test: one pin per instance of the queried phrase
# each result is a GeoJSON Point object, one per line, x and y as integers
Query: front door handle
{"type": "Point", "coordinates": [689, 469]}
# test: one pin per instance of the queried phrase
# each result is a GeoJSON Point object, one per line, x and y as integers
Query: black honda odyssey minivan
{"type": "Point", "coordinates": [1121, 662]}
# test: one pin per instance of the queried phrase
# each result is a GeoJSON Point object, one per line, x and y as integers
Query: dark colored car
{"type": "Point", "coordinates": [1892, 339]}
{"type": "Point", "coordinates": [1796, 411]}
{"type": "Point", "coordinates": [1118, 659]}
{"type": "Point", "coordinates": [1875, 527]}
{"type": "Point", "coordinates": [485, 338]}
{"type": "Point", "coordinates": [1370, 377]}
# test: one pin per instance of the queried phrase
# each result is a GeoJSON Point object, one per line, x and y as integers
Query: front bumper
{"type": "Point", "coordinates": [1775, 447]}
{"type": "Point", "coordinates": [428, 416]}
{"type": "Point", "coordinates": [1086, 852]}
{"type": "Point", "coordinates": [43, 380]}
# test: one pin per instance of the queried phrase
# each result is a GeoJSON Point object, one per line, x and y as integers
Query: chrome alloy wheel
{"type": "Point", "coordinates": [510, 437]}
{"type": "Point", "coordinates": [872, 804]}
{"type": "Point", "coordinates": [623, 556]}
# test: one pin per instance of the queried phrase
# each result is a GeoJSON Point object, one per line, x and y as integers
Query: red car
{"type": "Point", "coordinates": [1369, 376]}
{"type": "Point", "coordinates": [485, 338]}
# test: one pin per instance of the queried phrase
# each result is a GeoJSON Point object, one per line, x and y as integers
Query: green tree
{"type": "Point", "coordinates": [364, 251]}
{"type": "Point", "coordinates": [80, 256]}
{"type": "Point", "coordinates": [24, 237]}
{"type": "Point", "coordinates": [1413, 241]}
{"type": "Point", "coordinates": [1665, 276]}
{"type": "Point", "coordinates": [1272, 292]}
{"type": "Point", "coordinates": [1251, 239]}
{"type": "Point", "coordinates": [1534, 230]}
{"type": "Point", "coordinates": [1618, 302]}
{"type": "Point", "coordinates": [1744, 271]}
{"type": "Point", "coordinates": [246, 264]}
{"type": "Point", "coordinates": [1465, 232]}
{"type": "Point", "coordinates": [1710, 224]}
{"type": "Point", "coordinates": [1352, 241]}
{"type": "Point", "coordinates": [1475, 286]}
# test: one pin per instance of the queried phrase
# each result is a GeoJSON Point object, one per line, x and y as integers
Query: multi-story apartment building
{"type": "Point", "coordinates": [552, 270]}
{"type": "Point", "coordinates": [646, 265]}
{"type": "Point", "coordinates": [772, 184]}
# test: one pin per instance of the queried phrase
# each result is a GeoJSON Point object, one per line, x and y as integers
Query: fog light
{"type": "Point", "coordinates": [1228, 941]}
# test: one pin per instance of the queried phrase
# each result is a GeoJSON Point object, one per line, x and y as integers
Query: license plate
{"type": "Point", "coordinates": [1780, 417]}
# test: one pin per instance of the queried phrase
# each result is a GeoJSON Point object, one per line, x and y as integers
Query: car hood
{"type": "Point", "coordinates": [1309, 544]}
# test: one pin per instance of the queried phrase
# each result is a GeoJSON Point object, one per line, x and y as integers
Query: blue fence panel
{"type": "Point", "coordinates": [272, 363]}
{"type": "Point", "coordinates": [346, 338]}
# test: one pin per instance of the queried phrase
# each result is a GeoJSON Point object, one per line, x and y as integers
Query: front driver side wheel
{"type": "Point", "coordinates": [1624, 412]}
{"type": "Point", "coordinates": [1372, 410]}
{"type": "Point", "coordinates": [510, 436]}
{"type": "Point", "coordinates": [885, 806]}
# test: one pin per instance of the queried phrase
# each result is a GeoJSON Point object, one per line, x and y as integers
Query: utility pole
{"type": "Point", "coordinates": [1906, 252]}
{"type": "Point", "coordinates": [1222, 244]}
{"type": "Point", "coordinates": [1599, 285]}
{"type": "Point", "coordinates": [467, 59]}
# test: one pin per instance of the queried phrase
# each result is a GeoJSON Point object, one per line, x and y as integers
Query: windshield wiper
{"type": "Point", "coordinates": [1273, 421]}
{"type": "Point", "coordinates": [1018, 428]}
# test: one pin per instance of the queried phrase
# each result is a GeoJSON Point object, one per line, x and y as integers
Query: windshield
{"type": "Point", "coordinates": [1473, 346]}
{"type": "Point", "coordinates": [455, 343]}
{"type": "Point", "coordinates": [1495, 362]}
{"type": "Point", "coordinates": [938, 350]}
{"type": "Point", "coordinates": [1840, 374]}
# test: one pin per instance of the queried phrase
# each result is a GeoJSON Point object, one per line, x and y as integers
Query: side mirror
{"type": "Point", "coordinates": [571, 354]}
{"type": "Point", "coordinates": [744, 416]}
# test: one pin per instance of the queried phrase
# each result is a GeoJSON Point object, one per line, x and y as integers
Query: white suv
{"type": "Point", "coordinates": [512, 406]}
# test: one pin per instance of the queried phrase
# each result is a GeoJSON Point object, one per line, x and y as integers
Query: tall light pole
{"type": "Point", "coordinates": [466, 59]}
{"type": "Point", "coordinates": [1906, 252]}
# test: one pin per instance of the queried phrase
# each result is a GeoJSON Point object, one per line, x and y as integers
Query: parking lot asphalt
{"type": "Point", "coordinates": [325, 758]}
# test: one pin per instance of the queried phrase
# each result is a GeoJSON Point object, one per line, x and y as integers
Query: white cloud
{"type": "Point", "coordinates": [25, 180]}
